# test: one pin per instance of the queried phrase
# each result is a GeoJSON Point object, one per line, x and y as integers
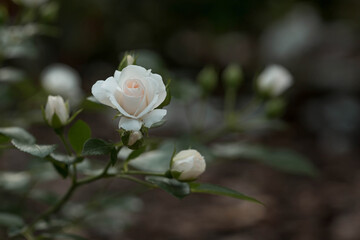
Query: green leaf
{"type": "Point", "coordinates": [135, 153]}
{"type": "Point", "coordinates": [167, 100]}
{"type": "Point", "coordinates": [154, 161]}
{"type": "Point", "coordinates": [113, 156]}
{"type": "Point", "coordinates": [65, 158]}
{"type": "Point", "coordinates": [34, 149]}
{"type": "Point", "coordinates": [78, 134]}
{"type": "Point", "coordinates": [172, 186]}
{"type": "Point", "coordinates": [96, 146]}
{"type": "Point", "coordinates": [10, 220]}
{"type": "Point", "coordinates": [281, 159]}
{"type": "Point", "coordinates": [61, 168]}
{"type": "Point", "coordinates": [17, 133]}
{"type": "Point", "coordinates": [218, 190]}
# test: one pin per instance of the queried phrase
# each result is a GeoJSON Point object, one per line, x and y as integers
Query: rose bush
{"type": "Point", "coordinates": [136, 93]}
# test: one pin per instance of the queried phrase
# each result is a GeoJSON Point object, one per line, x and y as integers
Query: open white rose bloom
{"type": "Point", "coordinates": [275, 79]}
{"type": "Point", "coordinates": [135, 92]}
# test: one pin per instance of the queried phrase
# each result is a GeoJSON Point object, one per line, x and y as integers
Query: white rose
{"type": "Point", "coordinates": [63, 80]}
{"type": "Point", "coordinates": [56, 104]}
{"type": "Point", "coordinates": [274, 80]}
{"type": "Point", "coordinates": [135, 92]}
{"type": "Point", "coordinates": [188, 165]}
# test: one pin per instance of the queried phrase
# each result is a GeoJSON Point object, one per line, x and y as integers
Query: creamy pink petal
{"type": "Point", "coordinates": [149, 107]}
{"type": "Point", "coordinates": [153, 117]}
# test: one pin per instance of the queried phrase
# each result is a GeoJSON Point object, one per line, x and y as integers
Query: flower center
{"type": "Point", "coordinates": [134, 88]}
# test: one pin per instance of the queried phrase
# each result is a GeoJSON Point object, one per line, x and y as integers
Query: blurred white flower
{"type": "Point", "coordinates": [135, 92]}
{"type": "Point", "coordinates": [56, 105]}
{"type": "Point", "coordinates": [188, 165]}
{"type": "Point", "coordinates": [293, 35]}
{"type": "Point", "coordinates": [60, 79]}
{"type": "Point", "coordinates": [274, 80]}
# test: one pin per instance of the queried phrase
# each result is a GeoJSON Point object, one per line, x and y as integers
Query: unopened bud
{"type": "Point", "coordinates": [274, 80]}
{"type": "Point", "coordinates": [233, 75]}
{"type": "Point", "coordinates": [208, 79]}
{"type": "Point", "coordinates": [132, 139]}
{"type": "Point", "coordinates": [56, 111]}
{"type": "Point", "coordinates": [187, 165]}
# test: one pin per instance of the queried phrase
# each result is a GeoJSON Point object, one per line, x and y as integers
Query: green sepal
{"type": "Point", "coordinates": [73, 116]}
{"type": "Point", "coordinates": [167, 99]}
{"type": "Point", "coordinates": [55, 121]}
{"type": "Point", "coordinates": [124, 63]}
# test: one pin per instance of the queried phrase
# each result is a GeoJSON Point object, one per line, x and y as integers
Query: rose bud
{"type": "Point", "coordinates": [233, 76]}
{"type": "Point", "coordinates": [274, 80]}
{"type": "Point", "coordinates": [207, 78]}
{"type": "Point", "coordinates": [130, 59]}
{"type": "Point", "coordinates": [136, 93]}
{"type": "Point", "coordinates": [56, 106]}
{"type": "Point", "coordinates": [132, 139]}
{"type": "Point", "coordinates": [187, 165]}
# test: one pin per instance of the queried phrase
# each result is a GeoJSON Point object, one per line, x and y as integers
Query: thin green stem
{"type": "Point", "coordinates": [134, 172]}
{"type": "Point", "coordinates": [54, 208]}
{"type": "Point", "coordinates": [67, 147]}
{"type": "Point", "coordinates": [137, 180]}
{"type": "Point", "coordinates": [103, 174]}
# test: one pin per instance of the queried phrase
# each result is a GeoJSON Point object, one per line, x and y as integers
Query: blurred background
{"type": "Point", "coordinates": [317, 41]}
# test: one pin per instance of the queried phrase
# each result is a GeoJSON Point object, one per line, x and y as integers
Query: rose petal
{"type": "Point", "coordinates": [117, 75]}
{"type": "Point", "coordinates": [102, 90]}
{"type": "Point", "coordinates": [133, 72]}
{"type": "Point", "coordinates": [132, 105]}
{"type": "Point", "coordinates": [153, 117]}
{"type": "Point", "coordinates": [149, 107]}
{"type": "Point", "coordinates": [160, 88]}
{"type": "Point", "coordinates": [114, 101]}
{"type": "Point", "coordinates": [129, 124]}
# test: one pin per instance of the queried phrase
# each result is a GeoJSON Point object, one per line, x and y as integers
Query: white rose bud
{"type": "Point", "coordinates": [56, 105]}
{"type": "Point", "coordinates": [187, 165]}
{"type": "Point", "coordinates": [274, 80]}
{"type": "Point", "coordinates": [136, 93]}
{"type": "Point", "coordinates": [134, 137]}
{"type": "Point", "coordinates": [130, 59]}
